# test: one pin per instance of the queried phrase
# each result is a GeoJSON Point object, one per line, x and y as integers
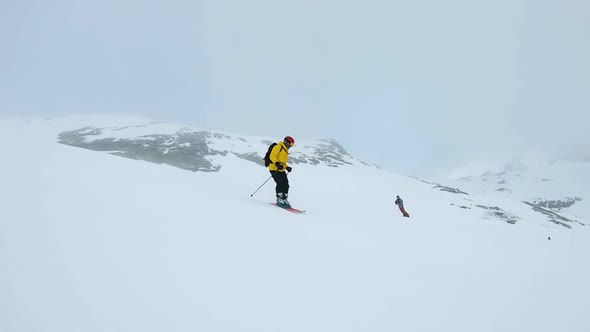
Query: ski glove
{"type": "Point", "coordinates": [279, 165]}
{"type": "Point", "coordinates": [289, 169]}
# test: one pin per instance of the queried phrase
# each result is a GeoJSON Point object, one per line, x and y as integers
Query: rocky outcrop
{"type": "Point", "coordinates": [557, 205]}
{"type": "Point", "coordinates": [194, 150]}
{"type": "Point", "coordinates": [328, 152]}
{"type": "Point", "coordinates": [498, 213]}
{"type": "Point", "coordinates": [441, 187]}
{"type": "Point", "coordinates": [450, 190]}
{"type": "Point", "coordinates": [553, 216]}
{"type": "Point", "coordinates": [186, 150]}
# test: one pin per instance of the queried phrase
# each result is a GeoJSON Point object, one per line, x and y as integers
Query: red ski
{"type": "Point", "coordinates": [290, 209]}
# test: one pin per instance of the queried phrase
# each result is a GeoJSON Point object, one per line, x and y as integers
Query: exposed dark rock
{"type": "Point", "coordinates": [553, 216]}
{"type": "Point", "coordinates": [186, 150]}
{"type": "Point", "coordinates": [498, 213]}
{"type": "Point", "coordinates": [329, 152]}
{"type": "Point", "coordinates": [441, 187]}
{"type": "Point", "coordinates": [251, 156]}
{"type": "Point", "coordinates": [557, 204]}
{"type": "Point", "coordinates": [191, 150]}
{"type": "Point", "coordinates": [450, 190]}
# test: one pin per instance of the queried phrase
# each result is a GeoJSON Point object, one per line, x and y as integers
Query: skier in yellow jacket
{"type": "Point", "coordinates": [279, 157]}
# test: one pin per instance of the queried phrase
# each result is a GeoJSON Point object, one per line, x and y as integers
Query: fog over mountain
{"type": "Point", "coordinates": [417, 87]}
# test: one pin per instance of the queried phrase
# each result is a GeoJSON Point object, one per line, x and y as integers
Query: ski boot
{"type": "Point", "coordinates": [282, 200]}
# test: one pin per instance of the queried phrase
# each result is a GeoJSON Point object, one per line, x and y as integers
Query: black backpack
{"type": "Point", "coordinates": [267, 160]}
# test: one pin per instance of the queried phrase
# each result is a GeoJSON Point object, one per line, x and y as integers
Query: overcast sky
{"type": "Point", "coordinates": [415, 86]}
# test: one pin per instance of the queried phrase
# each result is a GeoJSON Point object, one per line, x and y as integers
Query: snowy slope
{"type": "Point", "coordinates": [200, 150]}
{"type": "Point", "coordinates": [558, 186]}
{"type": "Point", "coordinates": [95, 242]}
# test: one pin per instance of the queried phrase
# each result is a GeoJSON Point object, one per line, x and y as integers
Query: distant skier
{"type": "Point", "coordinates": [279, 156]}
{"type": "Point", "coordinates": [400, 203]}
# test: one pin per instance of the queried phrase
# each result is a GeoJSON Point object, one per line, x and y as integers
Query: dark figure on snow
{"type": "Point", "coordinates": [279, 156]}
{"type": "Point", "coordinates": [400, 203]}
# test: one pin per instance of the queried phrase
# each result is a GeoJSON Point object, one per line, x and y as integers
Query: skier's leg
{"type": "Point", "coordinates": [283, 187]}
{"type": "Point", "coordinates": [286, 184]}
{"type": "Point", "coordinates": [281, 180]}
{"type": "Point", "coordinates": [405, 213]}
{"type": "Point", "coordinates": [286, 190]}
{"type": "Point", "coordinates": [276, 177]}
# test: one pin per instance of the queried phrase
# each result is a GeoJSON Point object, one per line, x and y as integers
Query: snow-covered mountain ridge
{"type": "Point", "coordinates": [559, 191]}
{"type": "Point", "coordinates": [96, 242]}
{"type": "Point", "coordinates": [553, 191]}
{"type": "Point", "coordinates": [196, 149]}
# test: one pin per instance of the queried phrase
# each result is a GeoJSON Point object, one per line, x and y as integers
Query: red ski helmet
{"type": "Point", "coordinates": [289, 141]}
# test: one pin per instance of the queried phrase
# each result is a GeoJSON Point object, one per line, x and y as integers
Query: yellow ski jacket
{"type": "Point", "coordinates": [279, 153]}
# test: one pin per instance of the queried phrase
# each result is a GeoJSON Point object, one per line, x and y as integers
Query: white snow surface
{"type": "Point", "coordinates": [94, 242]}
{"type": "Point", "coordinates": [556, 180]}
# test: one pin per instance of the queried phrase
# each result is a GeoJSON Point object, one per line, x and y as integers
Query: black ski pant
{"type": "Point", "coordinates": [281, 181]}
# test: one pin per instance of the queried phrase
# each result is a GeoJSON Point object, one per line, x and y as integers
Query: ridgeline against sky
{"type": "Point", "coordinates": [412, 86]}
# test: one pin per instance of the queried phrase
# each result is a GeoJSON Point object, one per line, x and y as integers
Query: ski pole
{"type": "Point", "coordinates": [263, 183]}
